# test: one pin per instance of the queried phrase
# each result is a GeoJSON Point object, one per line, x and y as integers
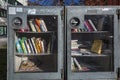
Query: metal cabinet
{"type": "Point", "coordinates": [92, 42]}
{"type": "Point", "coordinates": [35, 43]}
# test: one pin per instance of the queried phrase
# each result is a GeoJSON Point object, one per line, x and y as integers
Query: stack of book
{"type": "Point", "coordinates": [37, 25]}
{"type": "Point", "coordinates": [32, 46]}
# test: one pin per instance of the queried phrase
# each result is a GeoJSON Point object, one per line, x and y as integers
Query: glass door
{"type": "Point", "coordinates": [34, 43]}
{"type": "Point", "coordinates": [91, 42]}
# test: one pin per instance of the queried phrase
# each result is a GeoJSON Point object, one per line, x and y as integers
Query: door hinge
{"type": "Point", "coordinates": [118, 74]}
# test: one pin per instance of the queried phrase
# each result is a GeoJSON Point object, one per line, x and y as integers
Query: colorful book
{"type": "Point", "coordinates": [37, 45]}
{"type": "Point", "coordinates": [18, 46]}
{"type": "Point", "coordinates": [23, 46]}
{"type": "Point", "coordinates": [88, 26]}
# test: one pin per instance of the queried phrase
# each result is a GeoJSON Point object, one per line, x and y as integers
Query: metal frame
{"type": "Point", "coordinates": [78, 11]}
{"type": "Point", "coordinates": [23, 12]}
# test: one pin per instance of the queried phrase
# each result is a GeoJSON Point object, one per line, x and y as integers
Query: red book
{"type": "Point", "coordinates": [88, 26]}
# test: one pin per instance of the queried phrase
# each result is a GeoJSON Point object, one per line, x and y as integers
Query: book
{"type": "Point", "coordinates": [37, 27]}
{"type": "Point", "coordinates": [72, 64]}
{"type": "Point", "coordinates": [97, 46]}
{"type": "Point", "coordinates": [18, 46]}
{"type": "Point", "coordinates": [43, 25]}
{"type": "Point", "coordinates": [31, 47]}
{"type": "Point", "coordinates": [31, 24]}
{"type": "Point", "coordinates": [88, 26]}
{"type": "Point", "coordinates": [100, 24]}
{"type": "Point", "coordinates": [23, 46]}
{"type": "Point", "coordinates": [77, 63]}
{"type": "Point", "coordinates": [93, 26]}
{"type": "Point", "coordinates": [37, 45]}
{"type": "Point", "coordinates": [37, 22]}
{"type": "Point", "coordinates": [40, 45]}
{"type": "Point", "coordinates": [33, 44]}
{"type": "Point", "coordinates": [48, 47]}
{"type": "Point", "coordinates": [27, 46]}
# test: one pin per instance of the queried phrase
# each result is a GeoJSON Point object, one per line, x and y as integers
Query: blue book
{"type": "Point", "coordinates": [18, 46]}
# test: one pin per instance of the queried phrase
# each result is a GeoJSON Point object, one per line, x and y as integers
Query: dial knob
{"type": "Point", "coordinates": [74, 22]}
{"type": "Point", "coordinates": [17, 21]}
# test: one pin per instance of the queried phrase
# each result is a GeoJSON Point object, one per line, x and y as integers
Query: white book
{"type": "Point", "coordinates": [72, 64]}
{"type": "Point", "coordinates": [32, 40]}
{"type": "Point", "coordinates": [32, 26]}
{"type": "Point", "coordinates": [42, 42]}
{"type": "Point", "coordinates": [27, 46]}
{"type": "Point", "coordinates": [44, 25]}
{"type": "Point", "coordinates": [77, 63]}
{"type": "Point", "coordinates": [91, 23]}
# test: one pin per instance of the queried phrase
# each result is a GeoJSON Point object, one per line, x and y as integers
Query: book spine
{"type": "Point", "coordinates": [77, 63]}
{"type": "Point", "coordinates": [37, 46]}
{"type": "Point", "coordinates": [31, 47]}
{"type": "Point", "coordinates": [27, 46]}
{"type": "Point", "coordinates": [93, 26]}
{"type": "Point", "coordinates": [33, 43]}
{"type": "Point", "coordinates": [42, 43]}
{"type": "Point", "coordinates": [18, 46]}
{"type": "Point", "coordinates": [32, 26]}
{"type": "Point", "coordinates": [87, 26]}
{"type": "Point", "coordinates": [72, 64]}
{"type": "Point", "coordinates": [23, 46]}
{"type": "Point", "coordinates": [44, 25]}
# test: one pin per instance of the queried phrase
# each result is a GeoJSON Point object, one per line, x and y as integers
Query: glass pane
{"type": "Point", "coordinates": [36, 47]}
{"type": "Point", "coordinates": [92, 44]}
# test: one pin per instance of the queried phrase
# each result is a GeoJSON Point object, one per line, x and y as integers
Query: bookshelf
{"type": "Point", "coordinates": [91, 39]}
{"type": "Point", "coordinates": [95, 43]}
{"type": "Point", "coordinates": [35, 48]}
{"type": "Point", "coordinates": [38, 39]}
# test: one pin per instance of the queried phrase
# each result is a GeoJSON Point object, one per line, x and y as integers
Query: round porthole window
{"type": "Point", "coordinates": [74, 22]}
{"type": "Point", "coordinates": [17, 22]}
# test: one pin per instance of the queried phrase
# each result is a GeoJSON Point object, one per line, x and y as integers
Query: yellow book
{"type": "Point", "coordinates": [97, 46]}
{"type": "Point", "coordinates": [37, 45]}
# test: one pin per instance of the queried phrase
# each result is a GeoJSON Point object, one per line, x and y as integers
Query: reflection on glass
{"type": "Point", "coordinates": [92, 44]}
{"type": "Point", "coordinates": [36, 47]}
